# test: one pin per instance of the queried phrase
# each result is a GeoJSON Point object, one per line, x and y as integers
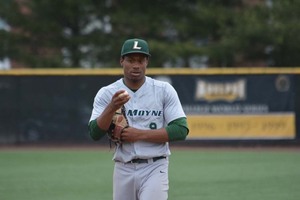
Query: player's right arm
{"type": "Point", "coordinates": [98, 127]}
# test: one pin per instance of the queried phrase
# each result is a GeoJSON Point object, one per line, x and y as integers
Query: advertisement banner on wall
{"type": "Point", "coordinates": [237, 106]}
{"type": "Point", "coordinates": [51, 105]}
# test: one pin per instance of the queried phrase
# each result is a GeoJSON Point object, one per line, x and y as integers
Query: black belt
{"type": "Point", "coordinates": [138, 160]}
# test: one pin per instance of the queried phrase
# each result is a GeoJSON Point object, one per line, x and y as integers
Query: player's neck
{"type": "Point", "coordinates": [133, 85]}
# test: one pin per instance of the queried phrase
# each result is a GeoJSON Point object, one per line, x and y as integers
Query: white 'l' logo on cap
{"type": "Point", "coordinates": [135, 46]}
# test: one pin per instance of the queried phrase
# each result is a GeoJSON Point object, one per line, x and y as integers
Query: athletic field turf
{"type": "Point", "coordinates": [195, 174]}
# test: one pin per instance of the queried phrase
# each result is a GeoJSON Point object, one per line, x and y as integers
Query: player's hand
{"type": "Point", "coordinates": [119, 99]}
{"type": "Point", "coordinates": [130, 134]}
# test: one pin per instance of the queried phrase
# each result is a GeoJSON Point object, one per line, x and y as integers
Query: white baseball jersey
{"type": "Point", "coordinates": [152, 106]}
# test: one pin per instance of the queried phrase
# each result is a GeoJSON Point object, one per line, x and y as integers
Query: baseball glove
{"type": "Point", "coordinates": [118, 124]}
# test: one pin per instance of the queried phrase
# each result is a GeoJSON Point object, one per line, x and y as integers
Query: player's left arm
{"type": "Point", "coordinates": [176, 130]}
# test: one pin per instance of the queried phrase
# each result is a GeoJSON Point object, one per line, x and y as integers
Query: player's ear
{"type": "Point", "coordinates": [147, 59]}
{"type": "Point", "coordinates": [121, 61]}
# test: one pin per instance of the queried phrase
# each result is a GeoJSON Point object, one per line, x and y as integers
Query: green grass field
{"type": "Point", "coordinates": [195, 174]}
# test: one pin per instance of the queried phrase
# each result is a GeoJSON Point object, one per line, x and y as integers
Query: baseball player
{"type": "Point", "coordinates": [155, 117]}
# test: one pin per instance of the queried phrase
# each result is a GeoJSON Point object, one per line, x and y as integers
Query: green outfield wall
{"type": "Point", "coordinates": [222, 104]}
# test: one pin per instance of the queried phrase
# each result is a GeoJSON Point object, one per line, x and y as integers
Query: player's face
{"type": "Point", "coordinates": [134, 66]}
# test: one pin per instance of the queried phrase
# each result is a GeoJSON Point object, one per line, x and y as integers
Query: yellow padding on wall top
{"type": "Point", "coordinates": [151, 71]}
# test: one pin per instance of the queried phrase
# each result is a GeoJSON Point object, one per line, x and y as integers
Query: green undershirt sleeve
{"type": "Point", "coordinates": [177, 129]}
{"type": "Point", "coordinates": [95, 132]}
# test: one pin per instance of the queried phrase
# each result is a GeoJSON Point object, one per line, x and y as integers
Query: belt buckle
{"type": "Point", "coordinates": [138, 161]}
{"type": "Point", "coordinates": [130, 162]}
{"type": "Point", "coordinates": [150, 160]}
{"type": "Point", "coordinates": [133, 161]}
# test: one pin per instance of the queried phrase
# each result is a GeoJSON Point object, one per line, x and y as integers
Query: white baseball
{"type": "Point", "coordinates": [123, 94]}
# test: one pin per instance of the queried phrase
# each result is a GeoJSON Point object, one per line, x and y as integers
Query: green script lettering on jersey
{"type": "Point", "coordinates": [137, 112]}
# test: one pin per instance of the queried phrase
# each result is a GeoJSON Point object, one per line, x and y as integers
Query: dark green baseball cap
{"type": "Point", "coordinates": [135, 46]}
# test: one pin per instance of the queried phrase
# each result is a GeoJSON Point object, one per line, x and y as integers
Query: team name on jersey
{"type": "Point", "coordinates": [137, 112]}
